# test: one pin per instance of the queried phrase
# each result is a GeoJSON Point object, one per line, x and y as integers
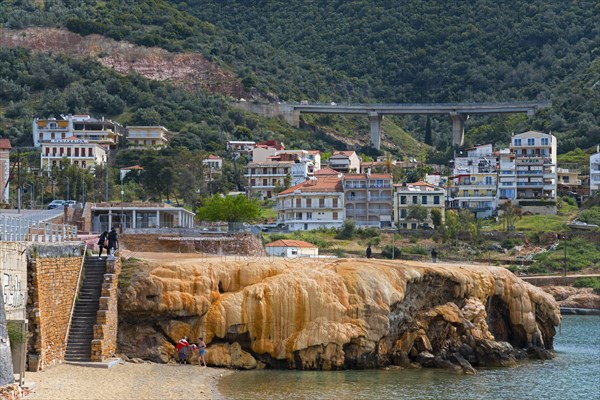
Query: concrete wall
{"type": "Point", "coordinates": [104, 344]}
{"type": "Point", "coordinates": [52, 281]}
{"type": "Point", "coordinates": [241, 244]}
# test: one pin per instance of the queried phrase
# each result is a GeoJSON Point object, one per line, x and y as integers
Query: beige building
{"type": "Point", "coordinates": [77, 151]}
{"type": "Point", "coordinates": [82, 126]}
{"type": "Point", "coordinates": [313, 204]}
{"type": "Point", "coordinates": [418, 194]}
{"type": "Point", "coordinates": [4, 170]}
{"type": "Point", "coordinates": [368, 199]}
{"type": "Point", "coordinates": [292, 249]}
{"type": "Point", "coordinates": [345, 161]}
{"type": "Point", "coordinates": [148, 136]}
{"type": "Point", "coordinates": [567, 176]}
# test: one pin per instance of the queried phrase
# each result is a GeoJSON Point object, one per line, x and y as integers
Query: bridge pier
{"type": "Point", "coordinates": [375, 120]}
{"type": "Point", "coordinates": [458, 128]}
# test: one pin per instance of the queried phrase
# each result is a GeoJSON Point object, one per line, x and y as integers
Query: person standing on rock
{"type": "Point", "coordinates": [102, 243]}
{"type": "Point", "coordinates": [201, 352]}
{"type": "Point", "coordinates": [113, 241]}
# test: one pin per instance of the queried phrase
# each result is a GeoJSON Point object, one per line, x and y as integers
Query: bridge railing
{"type": "Point", "coordinates": [16, 229]}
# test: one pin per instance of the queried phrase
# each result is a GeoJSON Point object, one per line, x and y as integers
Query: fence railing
{"type": "Point", "coordinates": [15, 229]}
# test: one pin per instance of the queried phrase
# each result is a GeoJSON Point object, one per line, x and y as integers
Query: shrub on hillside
{"type": "Point", "coordinates": [347, 230]}
{"type": "Point", "coordinates": [590, 282]}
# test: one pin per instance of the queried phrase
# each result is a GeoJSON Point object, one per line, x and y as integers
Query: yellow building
{"type": "Point", "coordinates": [148, 136]}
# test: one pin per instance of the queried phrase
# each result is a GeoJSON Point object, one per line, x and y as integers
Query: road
{"type": "Point", "coordinates": [34, 215]}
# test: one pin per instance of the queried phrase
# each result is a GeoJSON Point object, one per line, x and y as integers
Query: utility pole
{"type": "Point", "coordinates": [106, 166]}
{"type": "Point", "coordinates": [565, 257]}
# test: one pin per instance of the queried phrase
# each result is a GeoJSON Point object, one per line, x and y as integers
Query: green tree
{"type": "Point", "coordinates": [436, 217]}
{"type": "Point", "coordinates": [417, 213]}
{"type": "Point", "coordinates": [510, 213]}
{"type": "Point", "coordinates": [230, 209]}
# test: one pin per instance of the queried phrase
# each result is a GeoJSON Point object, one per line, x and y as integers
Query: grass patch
{"type": "Point", "coordinates": [591, 282]}
{"type": "Point", "coordinates": [581, 253]}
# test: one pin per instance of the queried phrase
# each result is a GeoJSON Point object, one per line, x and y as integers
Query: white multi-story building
{"type": "Point", "coordinates": [535, 164]}
{"type": "Point", "coordinates": [240, 147]}
{"type": "Point", "coordinates": [594, 173]}
{"type": "Point", "coordinates": [148, 136]}
{"type": "Point", "coordinates": [4, 170]}
{"type": "Point", "coordinates": [418, 194]}
{"type": "Point", "coordinates": [84, 127]}
{"type": "Point", "coordinates": [507, 177]}
{"type": "Point", "coordinates": [77, 151]}
{"type": "Point", "coordinates": [313, 204]}
{"type": "Point", "coordinates": [475, 181]}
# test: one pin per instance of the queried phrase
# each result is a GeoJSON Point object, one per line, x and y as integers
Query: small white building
{"type": "Point", "coordinates": [292, 249]}
{"type": "Point", "coordinates": [4, 170]}
{"type": "Point", "coordinates": [345, 161]}
{"type": "Point", "coordinates": [213, 162]}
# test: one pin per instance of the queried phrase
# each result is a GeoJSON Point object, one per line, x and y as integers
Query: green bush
{"type": "Point", "coordinates": [387, 252]}
{"type": "Point", "coordinates": [591, 282]}
{"type": "Point", "coordinates": [347, 230]}
{"type": "Point", "coordinates": [509, 243]}
{"type": "Point", "coordinates": [417, 249]}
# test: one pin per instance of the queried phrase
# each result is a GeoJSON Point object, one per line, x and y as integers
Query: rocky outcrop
{"type": "Point", "coordinates": [572, 297]}
{"type": "Point", "coordinates": [337, 315]}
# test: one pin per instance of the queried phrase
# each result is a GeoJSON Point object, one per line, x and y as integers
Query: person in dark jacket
{"type": "Point", "coordinates": [102, 243]}
{"type": "Point", "coordinates": [113, 241]}
{"type": "Point", "coordinates": [369, 251]}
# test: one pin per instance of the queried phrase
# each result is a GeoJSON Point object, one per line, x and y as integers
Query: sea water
{"type": "Point", "coordinates": [573, 374]}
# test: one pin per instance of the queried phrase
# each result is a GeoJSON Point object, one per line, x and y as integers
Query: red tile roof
{"type": "Point", "coordinates": [5, 144]}
{"type": "Point", "coordinates": [291, 243]}
{"type": "Point", "coordinates": [323, 184]}
{"type": "Point", "coordinates": [326, 172]}
{"type": "Point", "coordinates": [345, 153]}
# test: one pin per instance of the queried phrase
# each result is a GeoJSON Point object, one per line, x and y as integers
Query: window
{"type": "Point", "coordinates": [335, 202]}
{"type": "Point", "coordinates": [274, 169]}
{"type": "Point", "coordinates": [308, 215]}
{"type": "Point", "coordinates": [89, 151]}
{"type": "Point", "coordinates": [402, 213]}
{"type": "Point", "coordinates": [488, 180]}
{"type": "Point", "coordinates": [308, 203]}
{"type": "Point", "coordinates": [47, 150]}
{"type": "Point", "coordinates": [436, 199]}
{"type": "Point", "coordinates": [76, 151]}
{"type": "Point", "coordinates": [264, 182]}
{"type": "Point", "coordinates": [335, 215]}
{"type": "Point", "coordinates": [298, 203]}
{"type": "Point", "coordinates": [68, 152]}
{"type": "Point", "coordinates": [415, 200]}
{"type": "Point", "coordinates": [517, 142]}
{"type": "Point", "coordinates": [299, 216]}
{"type": "Point", "coordinates": [402, 199]}
{"type": "Point", "coordinates": [423, 199]}
{"type": "Point", "coordinates": [252, 182]}
{"type": "Point", "coordinates": [253, 171]}
{"type": "Point", "coordinates": [321, 203]}
{"type": "Point", "coordinates": [530, 142]}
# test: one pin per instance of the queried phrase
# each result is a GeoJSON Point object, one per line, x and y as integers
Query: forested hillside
{"type": "Point", "coordinates": [359, 51]}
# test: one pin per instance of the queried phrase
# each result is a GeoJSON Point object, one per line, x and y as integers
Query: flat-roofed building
{"type": "Point", "coordinates": [82, 126]}
{"type": "Point", "coordinates": [148, 136]}
{"type": "Point", "coordinates": [264, 177]}
{"type": "Point", "coordinates": [594, 173]}
{"type": "Point", "coordinates": [535, 158]}
{"type": "Point", "coordinates": [78, 152]}
{"type": "Point", "coordinates": [4, 170]}
{"type": "Point", "coordinates": [368, 199]}
{"type": "Point", "coordinates": [345, 161]}
{"type": "Point", "coordinates": [567, 176]}
{"type": "Point", "coordinates": [409, 197]}
{"type": "Point", "coordinates": [291, 249]}
{"type": "Point", "coordinates": [313, 204]}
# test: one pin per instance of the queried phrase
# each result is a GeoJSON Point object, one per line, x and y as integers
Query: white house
{"type": "Point", "coordinates": [148, 136]}
{"type": "Point", "coordinates": [292, 249]}
{"type": "Point", "coordinates": [78, 151]}
{"type": "Point", "coordinates": [81, 126]}
{"type": "Point", "coordinates": [345, 161]}
{"type": "Point", "coordinates": [594, 173]}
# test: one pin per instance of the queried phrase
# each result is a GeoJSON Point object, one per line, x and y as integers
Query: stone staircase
{"type": "Point", "coordinates": [79, 345]}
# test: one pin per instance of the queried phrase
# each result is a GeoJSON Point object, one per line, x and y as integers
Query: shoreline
{"type": "Point", "coordinates": [126, 381]}
{"type": "Point", "coordinates": [579, 311]}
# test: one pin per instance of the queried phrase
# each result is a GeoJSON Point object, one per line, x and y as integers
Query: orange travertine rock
{"type": "Point", "coordinates": [347, 313]}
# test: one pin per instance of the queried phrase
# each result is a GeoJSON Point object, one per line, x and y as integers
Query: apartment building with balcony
{"type": "Point", "coordinates": [263, 177]}
{"type": "Point", "coordinates": [594, 173]}
{"type": "Point", "coordinates": [567, 177]}
{"type": "Point", "coordinates": [313, 204]}
{"type": "Point", "coordinates": [418, 194]}
{"type": "Point", "coordinates": [475, 180]}
{"type": "Point", "coordinates": [507, 177]}
{"type": "Point", "coordinates": [101, 131]}
{"type": "Point", "coordinates": [368, 199]}
{"type": "Point", "coordinates": [148, 136]}
{"type": "Point", "coordinates": [4, 170]}
{"type": "Point", "coordinates": [345, 162]}
{"type": "Point", "coordinates": [240, 147]}
{"type": "Point", "coordinates": [79, 152]}
{"type": "Point", "coordinates": [535, 165]}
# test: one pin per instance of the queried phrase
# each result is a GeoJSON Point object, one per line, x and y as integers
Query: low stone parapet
{"type": "Point", "coordinates": [104, 344]}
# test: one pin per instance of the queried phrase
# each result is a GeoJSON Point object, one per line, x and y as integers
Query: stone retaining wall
{"type": "Point", "coordinates": [52, 284]}
{"type": "Point", "coordinates": [104, 344]}
{"type": "Point", "coordinates": [238, 244]}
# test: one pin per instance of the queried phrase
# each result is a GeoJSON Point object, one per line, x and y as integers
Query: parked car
{"type": "Point", "coordinates": [70, 203]}
{"type": "Point", "coordinates": [56, 204]}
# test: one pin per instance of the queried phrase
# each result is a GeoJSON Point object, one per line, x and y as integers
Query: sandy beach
{"type": "Point", "coordinates": [125, 381]}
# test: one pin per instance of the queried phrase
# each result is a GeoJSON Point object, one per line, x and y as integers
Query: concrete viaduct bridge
{"type": "Point", "coordinates": [458, 113]}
